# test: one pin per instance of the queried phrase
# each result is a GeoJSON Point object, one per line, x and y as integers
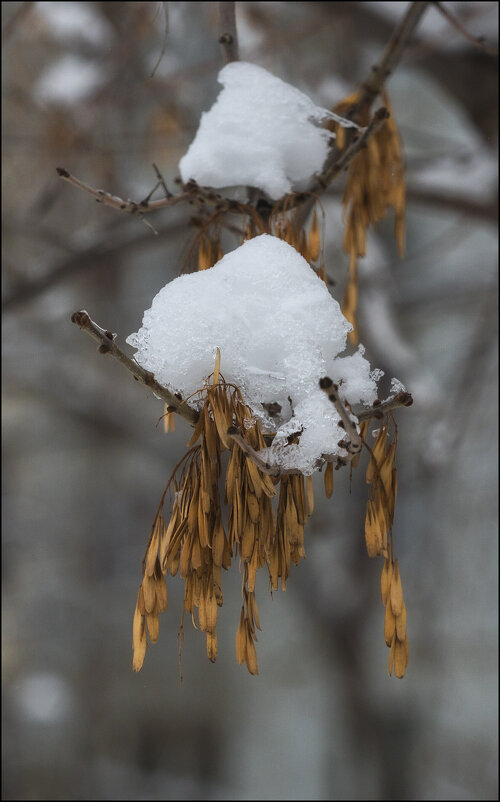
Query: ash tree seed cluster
{"type": "Point", "coordinates": [250, 348]}
{"type": "Point", "coordinates": [277, 336]}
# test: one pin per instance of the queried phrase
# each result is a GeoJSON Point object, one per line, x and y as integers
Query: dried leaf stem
{"type": "Point", "coordinates": [108, 346]}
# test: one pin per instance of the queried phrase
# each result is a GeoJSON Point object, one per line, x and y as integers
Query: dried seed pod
{"type": "Point", "coordinates": [153, 627]}
{"type": "Point", "coordinates": [385, 580]}
{"type": "Point", "coordinates": [314, 240]}
{"type": "Point", "coordinates": [212, 646]}
{"type": "Point", "coordinates": [401, 624]}
{"type": "Point", "coordinates": [241, 639]}
{"type": "Point", "coordinates": [400, 658]}
{"type": "Point", "coordinates": [396, 591]}
{"type": "Point", "coordinates": [310, 495]}
{"type": "Point", "coordinates": [373, 538]}
{"type": "Point", "coordinates": [138, 640]}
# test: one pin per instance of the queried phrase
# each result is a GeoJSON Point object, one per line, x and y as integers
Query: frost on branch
{"type": "Point", "coordinates": [279, 331]}
{"type": "Point", "coordinates": [254, 135]}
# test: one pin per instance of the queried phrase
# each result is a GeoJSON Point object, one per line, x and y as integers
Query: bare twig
{"type": "Point", "coordinates": [107, 345]}
{"type": "Point", "coordinates": [165, 37]}
{"type": "Point", "coordinates": [228, 37]}
{"type": "Point", "coordinates": [393, 51]}
{"type": "Point", "coordinates": [477, 41]}
{"type": "Point", "coordinates": [132, 207]}
{"type": "Point", "coordinates": [354, 444]}
{"type": "Point", "coordinates": [402, 399]}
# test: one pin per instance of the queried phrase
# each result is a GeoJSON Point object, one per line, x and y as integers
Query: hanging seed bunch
{"type": "Point", "coordinates": [196, 544]}
{"type": "Point", "coordinates": [381, 475]}
{"type": "Point", "coordinates": [375, 183]}
{"type": "Point", "coordinates": [208, 528]}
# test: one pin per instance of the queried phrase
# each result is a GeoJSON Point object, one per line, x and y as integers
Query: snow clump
{"type": "Point", "coordinates": [261, 132]}
{"type": "Point", "coordinates": [279, 332]}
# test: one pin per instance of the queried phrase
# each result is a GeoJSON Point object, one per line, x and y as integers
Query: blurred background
{"type": "Point", "coordinates": [85, 462]}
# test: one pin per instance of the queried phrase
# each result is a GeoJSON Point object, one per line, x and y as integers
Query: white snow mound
{"type": "Point", "coordinates": [278, 330]}
{"type": "Point", "coordinates": [261, 132]}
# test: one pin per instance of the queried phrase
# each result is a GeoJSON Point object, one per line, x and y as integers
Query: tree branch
{"type": "Point", "coordinates": [333, 166]}
{"type": "Point", "coordinates": [228, 37]}
{"type": "Point", "coordinates": [107, 345]}
{"type": "Point", "coordinates": [379, 410]}
{"type": "Point", "coordinates": [393, 51]}
{"type": "Point", "coordinates": [477, 41]}
{"type": "Point", "coordinates": [132, 207]}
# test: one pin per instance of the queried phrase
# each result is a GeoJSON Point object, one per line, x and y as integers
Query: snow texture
{"type": "Point", "coordinates": [278, 330]}
{"type": "Point", "coordinates": [261, 132]}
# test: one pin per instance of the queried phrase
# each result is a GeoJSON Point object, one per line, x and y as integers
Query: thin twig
{"type": "Point", "coordinates": [107, 345]}
{"type": "Point", "coordinates": [354, 443]}
{"type": "Point", "coordinates": [132, 207]}
{"type": "Point", "coordinates": [162, 182]}
{"type": "Point", "coordinates": [477, 41]}
{"type": "Point", "coordinates": [402, 399]}
{"type": "Point", "coordinates": [164, 44]}
{"type": "Point", "coordinates": [228, 37]}
{"type": "Point", "coordinates": [393, 51]}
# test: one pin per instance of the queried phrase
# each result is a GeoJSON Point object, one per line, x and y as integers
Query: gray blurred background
{"type": "Point", "coordinates": [84, 464]}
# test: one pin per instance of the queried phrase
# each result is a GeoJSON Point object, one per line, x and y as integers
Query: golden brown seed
{"type": "Point", "coordinates": [149, 592]}
{"type": "Point", "coordinates": [396, 591]}
{"type": "Point", "coordinates": [310, 495]}
{"type": "Point", "coordinates": [153, 627]}
{"type": "Point", "coordinates": [385, 580]}
{"type": "Point", "coordinates": [400, 659]}
{"type": "Point", "coordinates": [391, 656]}
{"type": "Point", "coordinates": [212, 646]}
{"type": "Point", "coordinates": [241, 639]}
{"type": "Point", "coordinates": [401, 624]}
{"type": "Point", "coordinates": [161, 594]}
{"type": "Point", "coordinates": [138, 640]}
{"type": "Point", "coordinates": [314, 240]}
{"type": "Point", "coordinates": [389, 624]}
{"type": "Point", "coordinates": [251, 654]}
